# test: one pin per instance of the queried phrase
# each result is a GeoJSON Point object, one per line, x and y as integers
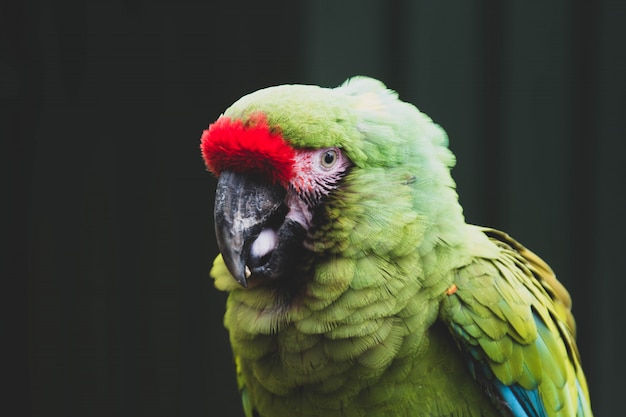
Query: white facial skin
{"type": "Point", "coordinates": [318, 172]}
{"type": "Point", "coordinates": [264, 243]}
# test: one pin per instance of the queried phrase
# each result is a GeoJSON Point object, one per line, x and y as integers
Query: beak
{"type": "Point", "coordinates": [245, 205]}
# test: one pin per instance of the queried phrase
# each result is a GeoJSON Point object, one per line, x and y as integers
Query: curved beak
{"type": "Point", "coordinates": [244, 206]}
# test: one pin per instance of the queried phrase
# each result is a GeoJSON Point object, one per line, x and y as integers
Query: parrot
{"type": "Point", "coordinates": [355, 287]}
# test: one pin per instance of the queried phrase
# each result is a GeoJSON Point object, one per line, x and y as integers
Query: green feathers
{"type": "Point", "coordinates": [362, 116]}
{"type": "Point", "coordinates": [397, 306]}
{"type": "Point", "coordinates": [506, 320]}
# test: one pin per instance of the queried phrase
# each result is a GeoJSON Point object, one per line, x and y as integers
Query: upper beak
{"type": "Point", "coordinates": [244, 205]}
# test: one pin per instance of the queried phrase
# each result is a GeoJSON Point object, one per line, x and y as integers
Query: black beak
{"type": "Point", "coordinates": [244, 206]}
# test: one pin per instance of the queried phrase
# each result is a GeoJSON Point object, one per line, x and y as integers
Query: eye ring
{"type": "Point", "coordinates": [329, 157]}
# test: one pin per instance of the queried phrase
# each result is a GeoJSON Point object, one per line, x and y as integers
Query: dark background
{"type": "Point", "coordinates": [107, 306]}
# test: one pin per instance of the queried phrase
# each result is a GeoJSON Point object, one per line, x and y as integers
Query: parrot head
{"type": "Point", "coordinates": [266, 194]}
{"type": "Point", "coordinates": [286, 158]}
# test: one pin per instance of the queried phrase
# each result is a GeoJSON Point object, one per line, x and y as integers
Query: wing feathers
{"type": "Point", "coordinates": [512, 318]}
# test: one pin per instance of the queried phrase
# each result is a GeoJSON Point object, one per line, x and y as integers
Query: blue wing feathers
{"type": "Point", "coordinates": [521, 402]}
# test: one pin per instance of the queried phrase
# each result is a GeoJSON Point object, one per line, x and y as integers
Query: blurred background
{"type": "Point", "coordinates": [108, 308]}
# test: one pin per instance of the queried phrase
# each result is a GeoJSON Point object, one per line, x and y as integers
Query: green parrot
{"type": "Point", "coordinates": [356, 288]}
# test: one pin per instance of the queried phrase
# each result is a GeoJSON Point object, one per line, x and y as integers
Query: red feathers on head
{"type": "Point", "coordinates": [247, 147]}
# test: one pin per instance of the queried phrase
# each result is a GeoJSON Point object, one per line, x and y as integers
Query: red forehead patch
{"type": "Point", "coordinates": [230, 144]}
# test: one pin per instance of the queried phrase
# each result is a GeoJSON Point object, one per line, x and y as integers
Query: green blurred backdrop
{"type": "Point", "coordinates": [108, 309]}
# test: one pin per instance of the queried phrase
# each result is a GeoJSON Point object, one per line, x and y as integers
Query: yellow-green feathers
{"type": "Point", "coordinates": [512, 316]}
{"type": "Point", "coordinates": [398, 307]}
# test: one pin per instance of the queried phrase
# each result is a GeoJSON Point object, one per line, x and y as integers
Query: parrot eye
{"type": "Point", "coordinates": [329, 158]}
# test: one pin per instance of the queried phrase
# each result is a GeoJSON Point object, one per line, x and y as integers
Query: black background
{"type": "Point", "coordinates": [107, 306]}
